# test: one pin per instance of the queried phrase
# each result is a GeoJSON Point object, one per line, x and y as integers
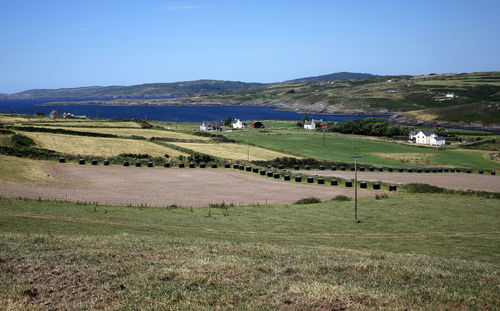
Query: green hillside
{"type": "Point", "coordinates": [187, 88]}
{"type": "Point", "coordinates": [383, 93]}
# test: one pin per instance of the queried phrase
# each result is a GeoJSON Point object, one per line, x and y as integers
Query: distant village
{"type": "Point", "coordinates": [54, 114]}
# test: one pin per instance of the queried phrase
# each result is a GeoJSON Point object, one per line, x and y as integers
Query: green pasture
{"type": "Point", "coordinates": [418, 252]}
{"type": "Point", "coordinates": [339, 147]}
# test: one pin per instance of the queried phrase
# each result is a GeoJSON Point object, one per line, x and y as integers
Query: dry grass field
{"type": "Point", "coordinates": [19, 170]}
{"type": "Point", "coordinates": [90, 123]}
{"type": "Point", "coordinates": [99, 146]}
{"type": "Point", "coordinates": [233, 151]}
{"type": "Point", "coordinates": [147, 133]}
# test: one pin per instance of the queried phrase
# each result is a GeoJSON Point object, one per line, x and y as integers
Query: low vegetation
{"type": "Point", "coordinates": [98, 146]}
{"type": "Point", "coordinates": [311, 200]}
{"type": "Point", "coordinates": [434, 252]}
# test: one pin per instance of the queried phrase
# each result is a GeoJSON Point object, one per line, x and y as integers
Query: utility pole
{"type": "Point", "coordinates": [248, 148]}
{"type": "Point", "coordinates": [356, 157]}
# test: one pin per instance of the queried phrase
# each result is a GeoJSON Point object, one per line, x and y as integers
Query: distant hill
{"type": "Point", "coordinates": [176, 89]}
{"type": "Point", "coordinates": [333, 76]}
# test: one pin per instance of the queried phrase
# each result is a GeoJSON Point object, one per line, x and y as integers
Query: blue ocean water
{"type": "Point", "coordinates": [166, 113]}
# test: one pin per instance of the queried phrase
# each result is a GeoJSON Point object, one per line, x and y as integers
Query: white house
{"type": "Point", "coordinates": [54, 114]}
{"type": "Point", "coordinates": [237, 124]}
{"type": "Point", "coordinates": [450, 95]}
{"type": "Point", "coordinates": [426, 138]}
{"type": "Point", "coordinates": [310, 125]}
{"type": "Point", "coordinates": [437, 141]}
{"type": "Point", "coordinates": [211, 126]}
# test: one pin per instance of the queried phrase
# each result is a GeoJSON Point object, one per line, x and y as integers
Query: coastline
{"type": "Point", "coordinates": [396, 118]}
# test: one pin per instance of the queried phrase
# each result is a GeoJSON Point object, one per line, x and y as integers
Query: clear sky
{"type": "Point", "coordinates": [53, 44]}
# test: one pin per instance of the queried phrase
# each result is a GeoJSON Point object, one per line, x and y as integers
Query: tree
{"type": "Point", "coordinates": [228, 121]}
{"type": "Point", "coordinates": [305, 118]}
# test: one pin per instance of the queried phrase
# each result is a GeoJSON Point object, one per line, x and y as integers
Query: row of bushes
{"type": "Point", "coordinates": [62, 131]}
{"type": "Point", "coordinates": [425, 188]}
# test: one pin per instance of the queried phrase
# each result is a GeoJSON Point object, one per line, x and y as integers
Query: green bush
{"type": "Point", "coordinates": [341, 197]}
{"type": "Point", "coordinates": [135, 155]}
{"type": "Point", "coordinates": [21, 141]}
{"type": "Point", "coordinates": [310, 200]}
{"type": "Point", "coordinates": [5, 131]}
{"type": "Point", "coordinates": [422, 188]}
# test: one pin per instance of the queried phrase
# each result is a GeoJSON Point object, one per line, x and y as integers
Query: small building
{"type": "Point", "coordinates": [450, 95]}
{"type": "Point", "coordinates": [257, 125]}
{"type": "Point", "coordinates": [437, 141]}
{"type": "Point", "coordinates": [54, 114]}
{"type": "Point", "coordinates": [426, 138]}
{"type": "Point", "coordinates": [310, 125]}
{"type": "Point", "coordinates": [237, 124]}
{"type": "Point", "coordinates": [391, 91]}
{"type": "Point", "coordinates": [211, 126]}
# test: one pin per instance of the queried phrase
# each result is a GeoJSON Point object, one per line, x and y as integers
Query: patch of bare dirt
{"type": "Point", "coordinates": [57, 287]}
{"type": "Point", "coordinates": [115, 185]}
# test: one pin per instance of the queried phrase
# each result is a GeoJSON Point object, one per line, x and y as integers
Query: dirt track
{"type": "Point", "coordinates": [457, 181]}
{"type": "Point", "coordinates": [165, 186]}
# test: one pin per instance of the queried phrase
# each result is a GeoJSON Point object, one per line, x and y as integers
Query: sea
{"type": "Point", "coordinates": [186, 113]}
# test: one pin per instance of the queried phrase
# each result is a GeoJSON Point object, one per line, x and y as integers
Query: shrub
{"type": "Point", "coordinates": [381, 196]}
{"type": "Point", "coordinates": [310, 200]}
{"type": "Point", "coordinates": [135, 155]}
{"type": "Point", "coordinates": [21, 141]}
{"type": "Point", "coordinates": [341, 197]}
{"type": "Point", "coordinates": [199, 157]}
{"type": "Point", "coordinates": [5, 131]}
{"type": "Point", "coordinates": [422, 188]}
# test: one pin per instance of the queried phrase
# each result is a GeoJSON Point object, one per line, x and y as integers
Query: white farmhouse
{"type": "Point", "coordinates": [450, 95]}
{"type": "Point", "coordinates": [310, 125]}
{"type": "Point", "coordinates": [426, 138]}
{"type": "Point", "coordinates": [237, 124]}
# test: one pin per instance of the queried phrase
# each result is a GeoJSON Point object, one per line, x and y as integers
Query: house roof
{"type": "Point", "coordinates": [428, 133]}
{"type": "Point", "coordinates": [439, 138]}
{"type": "Point", "coordinates": [307, 122]}
{"type": "Point", "coordinates": [413, 133]}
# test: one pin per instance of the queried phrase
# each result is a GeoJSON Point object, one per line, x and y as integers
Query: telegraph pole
{"type": "Point", "coordinates": [356, 157]}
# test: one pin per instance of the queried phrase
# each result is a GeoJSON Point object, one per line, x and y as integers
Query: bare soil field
{"type": "Point", "coordinates": [456, 181]}
{"type": "Point", "coordinates": [114, 185]}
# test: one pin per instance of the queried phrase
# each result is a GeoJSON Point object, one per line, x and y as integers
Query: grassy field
{"type": "Point", "coordinates": [99, 146]}
{"type": "Point", "coordinates": [233, 151]}
{"type": "Point", "coordinates": [87, 123]}
{"type": "Point", "coordinates": [339, 147]}
{"type": "Point", "coordinates": [434, 252]}
{"type": "Point", "coordinates": [147, 133]}
{"type": "Point", "coordinates": [19, 170]}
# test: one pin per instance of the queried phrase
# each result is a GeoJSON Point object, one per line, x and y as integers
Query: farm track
{"type": "Point", "coordinates": [160, 187]}
{"type": "Point", "coordinates": [455, 181]}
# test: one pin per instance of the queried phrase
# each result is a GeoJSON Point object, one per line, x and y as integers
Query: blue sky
{"type": "Point", "coordinates": [53, 44]}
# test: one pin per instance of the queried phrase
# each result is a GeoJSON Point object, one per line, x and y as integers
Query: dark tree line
{"type": "Point", "coordinates": [369, 127]}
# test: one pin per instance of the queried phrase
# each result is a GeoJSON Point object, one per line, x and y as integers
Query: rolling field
{"type": "Point", "coordinates": [147, 133]}
{"type": "Point", "coordinates": [434, 252]}
{"type": "Point", "coordinates": [88, 123]}
{"type": "Point", "coordinates": [233, 151]}
{"type": "Point", "coordinates": [99, 146]}
{"type": "Point", "coordinates": [19, 170]}
{"type": "Point", "coordinates": [379, 153]}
